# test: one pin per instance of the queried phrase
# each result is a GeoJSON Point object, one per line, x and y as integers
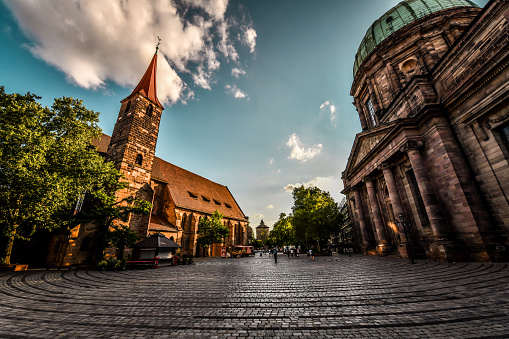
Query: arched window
{"type": "Point", "coordinates": [128, 107]}
{"type": "Point", "coordinates": [139, 159]}
{"type": "Point", "coordinates": [150, 109]}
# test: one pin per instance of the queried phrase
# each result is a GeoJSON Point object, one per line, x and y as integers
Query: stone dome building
{"type": "Point", "coordinates": [431, 89]}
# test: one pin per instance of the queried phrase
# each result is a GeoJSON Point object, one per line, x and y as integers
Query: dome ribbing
{"type": "Point", "coordinates": [398, 17]}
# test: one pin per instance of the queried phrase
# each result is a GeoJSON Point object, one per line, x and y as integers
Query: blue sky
{"type": "Point", "coordinates": [256, 92]}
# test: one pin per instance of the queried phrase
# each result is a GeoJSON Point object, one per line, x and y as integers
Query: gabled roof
{"type": "Point", "coordinates": [102, 143]}
{"type": "Point", "coordinates": [158, 223]}
{"type": "Point", "coordinates": [193, 192]}
{"type": "Point", "coordinates": [262, 225]}
{"type": "Point", "coordinates": [364, 143]}
{"type": "Point", "coordinates": [147, 85]}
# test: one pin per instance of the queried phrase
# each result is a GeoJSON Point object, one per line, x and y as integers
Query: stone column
{"type": "Point", "coordinates": [431, 204]}
{"type": "Point", "coordinates": [377, 216]}
{"type": "Point", "coordinates": [360, 217]}
{"type": "Point", "coordinates": [362, 117]}
{"type": "Point", "coordinates": [393, 76]}
{"type": "Point", "coordinates": [397, 206]}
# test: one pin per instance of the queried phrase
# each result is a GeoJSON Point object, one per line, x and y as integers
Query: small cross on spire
{"type": "Point", "coordinates": [158, 43]}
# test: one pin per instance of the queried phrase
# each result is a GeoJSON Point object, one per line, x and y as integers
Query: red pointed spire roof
{"type": "Point", "coordinates": [147, 85]}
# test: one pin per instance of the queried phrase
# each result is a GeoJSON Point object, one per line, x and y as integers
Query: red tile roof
{"type": "Point", "coordinates": [183, 185]}
{"type": "Point", "coordinates": [193, 192]}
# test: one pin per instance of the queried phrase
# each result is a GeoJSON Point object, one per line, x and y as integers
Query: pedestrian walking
{"type": "Point", "coordinates": [275, 256]}
{"type": "Point", "coordinates": [312, 254]}
{"type": "Point", "coordinates": [291, 252]}
{"type": "Point", "coordinates": [297, 252]}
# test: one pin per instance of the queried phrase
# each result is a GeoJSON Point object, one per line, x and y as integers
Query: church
{"type": "Point", "coordinates": [180, 198]}
{"type": "Point", "coordinates": [428, 176]}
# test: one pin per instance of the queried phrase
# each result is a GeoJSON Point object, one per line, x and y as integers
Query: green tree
{"type": "Point", "coordinates": [257, 244]}
{"type": "Point", "coordinates": [46, 163]}
{"type": "Point", "coordinates": [282, 233]}
{"type": "Point", "coordinates": [316, 215]}
{"type": "Point", "coordinates": [211, 230]}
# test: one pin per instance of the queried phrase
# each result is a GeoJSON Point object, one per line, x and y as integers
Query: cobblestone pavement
{"type": "Point", "coordinates": [331, 297]}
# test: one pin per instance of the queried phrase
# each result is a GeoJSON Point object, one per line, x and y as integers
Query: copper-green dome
{"type": "Point", "coordinates": [398, 17]}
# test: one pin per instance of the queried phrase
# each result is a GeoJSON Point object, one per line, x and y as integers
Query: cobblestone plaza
{"type": "Point", "coordinates": [331, 297]}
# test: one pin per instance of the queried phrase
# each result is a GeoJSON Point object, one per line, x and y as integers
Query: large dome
{"type": "Point", "coordinates": [399, 16]}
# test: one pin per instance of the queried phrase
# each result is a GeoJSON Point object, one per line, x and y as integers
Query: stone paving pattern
{"type": "Point", "coordinates": [331, 297]}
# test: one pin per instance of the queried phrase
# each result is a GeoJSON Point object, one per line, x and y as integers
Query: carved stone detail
{"type": "Point", "coordinates": [410, 146]}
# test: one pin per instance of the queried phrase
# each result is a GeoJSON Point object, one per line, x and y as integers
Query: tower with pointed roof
{"type": "Point", "coordinates": [262, 231]}
{"type": "Point", "coordinates": [134, 138]}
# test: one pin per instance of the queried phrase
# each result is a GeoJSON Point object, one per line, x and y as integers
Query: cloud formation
{"type": "Point", "coordinates": [257, 215]}
{"type": "Point", "coordinates": [96, 41]}
{"type": "Point", "coordinates": [238, 71]}
{"type": "Point", "coordinates": [270, 206]}
{"type": "Point", "coordinates": [327, 105]}
{"type": "Point", "coordinates": [235, 91]}
{"type": "Point", "coordinates": [324, 183]}
{"type": "Point", "coordinates": [299, 151]}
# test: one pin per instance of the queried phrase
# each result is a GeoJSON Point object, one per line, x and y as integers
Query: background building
{"type": "Point", "coordinates": [431, 89]}
{"type": "Point", "coordinates": [262, 232]}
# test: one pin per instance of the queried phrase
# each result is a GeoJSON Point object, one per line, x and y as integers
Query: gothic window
{"type": "Point", "coordinates": [150, 109]}
{"type": "Point", "coordinates": [128, 107]}
{"type": "Point", "coordinates": [139, 159]}
{"type": "Point", "coordinates": [371, 111]}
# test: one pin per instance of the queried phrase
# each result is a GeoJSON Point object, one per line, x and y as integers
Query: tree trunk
{"type": "Point", "coordinates": [10, 243]}
{"type": "Point", "coordinates": [8, 250]}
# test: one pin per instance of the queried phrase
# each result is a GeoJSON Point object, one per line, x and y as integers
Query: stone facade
{"type": "Point", "coordinates": [180, 198]}
{"type": "Point", "coordinates": [434, 150]}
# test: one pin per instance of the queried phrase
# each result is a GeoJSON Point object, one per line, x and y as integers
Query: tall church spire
{"type": "Point", "coordinates": [147, 85]}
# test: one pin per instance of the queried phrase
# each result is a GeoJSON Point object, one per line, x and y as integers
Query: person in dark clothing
{"type": "Point", "coordinates": [275, 256]}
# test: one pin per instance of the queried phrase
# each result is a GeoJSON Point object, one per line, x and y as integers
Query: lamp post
{"type": "Point", "coordinates": [404, 225]}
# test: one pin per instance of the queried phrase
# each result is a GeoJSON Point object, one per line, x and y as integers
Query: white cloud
{"type": "Point", "coordinates": [270, 206]}
{"type": "Point", "coordinates": [235, 91]}
{"type": "Point", "coordinates": [331, 108]}
{"type": "Point", "coordinates": [95, 41]}
{"type": "Point", "coordinates": [299, 151]}
{"type": "Point", "coordinates": [214, 8]}
{"type": "Point", "coordinates": [249, 38]}
{"type": "Point", "coordinates": [238, 71]}
{"type": "Point", "coordinates": [271, 161]}
{"type": "Point", "coordinates": [327, 184]}
{"type": "Point", "coordinates": [257, 215]}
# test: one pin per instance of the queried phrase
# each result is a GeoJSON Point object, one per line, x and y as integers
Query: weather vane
{"type": "Point", "coordinates": [158, 43]}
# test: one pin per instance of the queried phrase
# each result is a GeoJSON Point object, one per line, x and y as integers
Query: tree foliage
{"type": "Point", "coordinates": [282, 233]}
{"type": "Point", "coordinates": [46, 163]}
{"type": "Point", "coordinates": [211, 230]}
{"type": "Point", "coordinates": [316, 215]}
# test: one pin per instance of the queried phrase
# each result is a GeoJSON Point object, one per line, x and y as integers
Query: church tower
{"type": "Point", "coordinates": [133, 142]}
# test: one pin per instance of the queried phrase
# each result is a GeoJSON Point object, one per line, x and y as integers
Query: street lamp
{"type": "Point", "coordinates": [404, 225]}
